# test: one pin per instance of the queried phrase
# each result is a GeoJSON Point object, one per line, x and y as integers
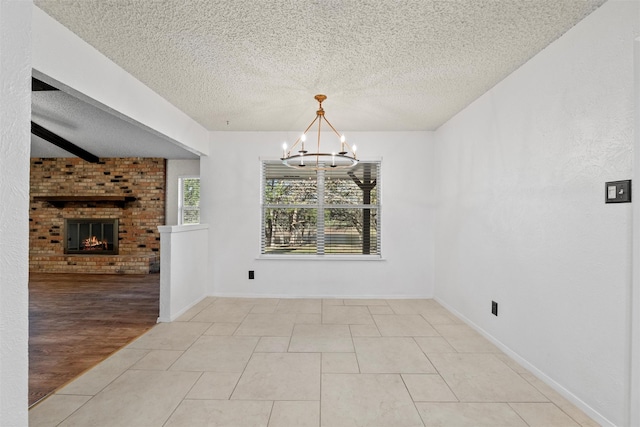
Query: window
{"type": "Point", "coordinates": [326, 212]}
{"type": "Point", "coordinates": [189, 200]}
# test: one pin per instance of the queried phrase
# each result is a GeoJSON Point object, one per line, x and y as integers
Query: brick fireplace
{"type": "Point", "coordinates": [96, 217]}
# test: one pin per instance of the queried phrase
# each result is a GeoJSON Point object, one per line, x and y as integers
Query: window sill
{"type": "Point", "coordinates": [322, 257]}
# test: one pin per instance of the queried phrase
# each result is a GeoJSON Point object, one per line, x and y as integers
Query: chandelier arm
{"type": "Point", "coordinates": [300, 137]}
{"type": "Point", "coordinates": [311, 124]}
{"type": "Point", "coordinates": [332, 128]}
{"type": "Point", "coordinates": [338, 133]}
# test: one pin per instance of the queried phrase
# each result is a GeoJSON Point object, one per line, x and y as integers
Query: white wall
{"type": "Point", "coordinates": [60, 55]}
{"type": "Point", "coordinates": [634, 301]}
{"type": "Point", "coordinates": [183, 268]}
{"type": "Point", "coordinates": [15, 111]}
{"type": "Point", "coordinates": [521, 217]}
{"type": "Point", "coordinates": [175, 170]}
{"type": "Point", "coordinates": [230, 192]}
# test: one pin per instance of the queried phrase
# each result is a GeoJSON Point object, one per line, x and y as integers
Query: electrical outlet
{"type": "Point", "coordinates": [494, 308]}
{"type": "Point", "coordinates": [251, 275]}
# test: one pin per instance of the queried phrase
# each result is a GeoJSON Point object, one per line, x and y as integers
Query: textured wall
{"type": "Point", "coordinates": [521, 217]}
{"type": "Point", "coordinates": [141, 178]}
{"type": "Point", "coordinates": [15, 110]}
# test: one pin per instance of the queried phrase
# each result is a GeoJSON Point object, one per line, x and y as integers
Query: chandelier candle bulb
{"type": "Point", "coordinates": [284, 150]}
{"type": "Point", "coordinates": [333, 160]}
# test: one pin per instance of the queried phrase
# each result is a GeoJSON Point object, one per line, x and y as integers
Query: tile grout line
{"type": "Point", "coordinates": [178, 358]}
{"type": "Point", "coordinates": [273, 404]}
{"type": "Point", "coordinates": [244, 369]}
{"type": "Point", "coordinates": [103, 388]}
{"type": "Point", "coordinates": [550, 401]}
{"type": "Point", "coordinates": [182, 399]}
{"type": "Point", "coordinates": [434, 366]}
{"type": "Point", "coordinates": [411, 397]}
{"type": "Point", "coordinates": [320, 397]}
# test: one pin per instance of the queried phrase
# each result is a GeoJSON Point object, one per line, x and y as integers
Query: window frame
{"type": "Point", "coordinates": [181, 206]}
{"type": "Point", "coordinates": [321, 206]}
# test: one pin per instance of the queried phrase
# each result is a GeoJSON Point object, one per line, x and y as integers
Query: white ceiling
{"type": "Point", "coordinates": [94, 130]}
{"type": "Point", "coordinates": [256, 64]}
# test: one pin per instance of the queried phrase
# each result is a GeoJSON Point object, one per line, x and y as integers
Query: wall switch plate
{"type": "Point", "coordinates": [251, 275]}
{"type": "Point", "coordinates": [494, 308]}
{"type": "Point", "coordinates": [617, 191]}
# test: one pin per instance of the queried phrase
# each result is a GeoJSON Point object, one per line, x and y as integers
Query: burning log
{"type": "Point", "coordinates": [92, 243]}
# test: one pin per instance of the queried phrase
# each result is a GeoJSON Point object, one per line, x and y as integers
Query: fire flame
{"type": "Point", "coordinates": [92, 243]}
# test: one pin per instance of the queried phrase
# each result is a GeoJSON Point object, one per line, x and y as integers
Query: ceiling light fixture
{"type": "Point", "coordinates": [319, 160]}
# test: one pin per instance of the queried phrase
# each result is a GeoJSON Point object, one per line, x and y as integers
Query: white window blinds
{"type": "Point", "coordinates": [325, 212]}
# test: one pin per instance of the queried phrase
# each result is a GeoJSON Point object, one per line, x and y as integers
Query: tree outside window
{"type": "Point", "coordinates": [189, 202]}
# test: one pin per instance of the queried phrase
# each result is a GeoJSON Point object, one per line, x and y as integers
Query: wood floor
{"type": "Point", "coordinates": [78, 320]}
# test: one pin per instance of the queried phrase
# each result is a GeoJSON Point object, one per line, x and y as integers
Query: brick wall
{"type": "Point", "coordinates": [139, 239]}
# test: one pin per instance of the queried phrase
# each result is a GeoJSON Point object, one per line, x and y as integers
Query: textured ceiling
{"type": "Point", "coordinates": [256, 64]}
{"type": "Point", "coordinates": [94, 130]}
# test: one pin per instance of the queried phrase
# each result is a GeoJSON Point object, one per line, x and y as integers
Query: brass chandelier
{"type": "Point", "coordinates": [342, 157]}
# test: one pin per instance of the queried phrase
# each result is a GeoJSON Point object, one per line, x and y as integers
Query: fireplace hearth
{"type": "Point", "coordinates": [91, 236]}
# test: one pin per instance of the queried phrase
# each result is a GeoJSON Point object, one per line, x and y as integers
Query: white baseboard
{"type": "Point", "coordinates": [174, 316]}
{"type": "Point", "coordinates": [595, 415]}
{"type": "Point", "coordinates": [290, 296]}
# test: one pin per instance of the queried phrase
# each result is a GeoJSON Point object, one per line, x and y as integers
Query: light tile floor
{"type": "Point", "coordinates": [309, 362]}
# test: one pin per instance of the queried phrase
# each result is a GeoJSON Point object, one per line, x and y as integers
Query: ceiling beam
{"type": "Point", "coordinates": [59, 141]}
{"type": "Point", "coordinates": [39, 85]}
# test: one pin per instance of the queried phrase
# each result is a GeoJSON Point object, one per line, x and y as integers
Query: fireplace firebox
{"type": "Point", "coordinates": [91, 236]}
